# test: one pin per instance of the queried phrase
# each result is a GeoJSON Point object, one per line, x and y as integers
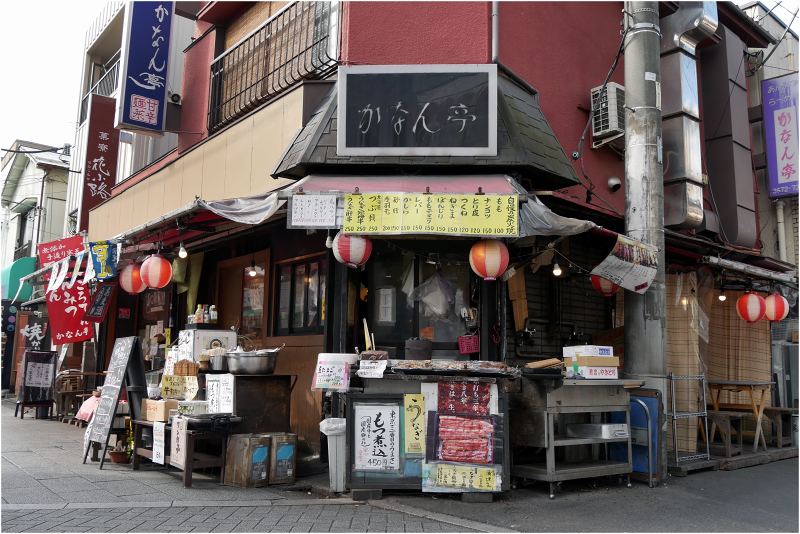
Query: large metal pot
{"type": "Point", "coordinates": [260, 362]}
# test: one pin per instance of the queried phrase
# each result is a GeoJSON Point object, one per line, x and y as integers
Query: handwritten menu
{"type": "Point", "coordinates": [39, 376]}
{"type": "Point", "coordinates": [219, 393]}
{"type": "Point", "coordinates": [377, 439]}
{"type": "Point", "coordinates": [444, 477]}
{"type": "Point", "coordinates": [332, 375]}
{"type": "Point", "coordinates": [104, 414]}
{"type": "Point", "coordinates": [179, 387]}
{"type": "Point", "coordinates": [414, 418]}
{"type": "Point", "coordinates": [177, 455]}
{"type": "Point", "coordinates": [371, 368]}
{"type": "Point", "coordinates": [412, 213]}
{"type": "Point", "coordinates": [159, 436]}
{"type": "Point", "coordinates": [313, 211]}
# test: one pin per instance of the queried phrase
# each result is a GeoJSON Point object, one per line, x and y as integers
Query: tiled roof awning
{"type": "Point", "coordinates": [527, 148]}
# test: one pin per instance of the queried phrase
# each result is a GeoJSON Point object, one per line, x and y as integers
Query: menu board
{"type": "Point", "coordinates": [126, 351]}
{"type": "Point", "coordinates": [159, 433]}
{"type": "Point", "coordinates": [331, 375]}
{"type": "Point", "coordinates": [177, 453]}
{"type": "Point", "coordinates": [377, 439]}
{"type": "Point", "coordinates": [449, 478]}
{"type": "Point", "coordinates": [39, 374]}
{"type": "Point", "coordinates": [219, 393]}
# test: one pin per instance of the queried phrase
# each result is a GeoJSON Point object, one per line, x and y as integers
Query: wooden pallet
{"type": "Point", "coordinates": [749, 459]}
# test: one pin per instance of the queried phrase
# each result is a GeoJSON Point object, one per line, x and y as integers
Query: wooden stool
{"type": "Point", "coordinates": [781, 419]}
{"type": "Point", "coordinates": [728, 422]}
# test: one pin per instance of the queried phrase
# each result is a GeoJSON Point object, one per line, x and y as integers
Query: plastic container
{"type": "Point", "coordinates": [335, 429]}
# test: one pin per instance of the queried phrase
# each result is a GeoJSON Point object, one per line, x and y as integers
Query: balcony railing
{"type": "Point", "coordinates": [105, 86]}
{"type": "Point", "coordinates": [22, 252]}
{"type": "Point", "coordinates": [299, 43]}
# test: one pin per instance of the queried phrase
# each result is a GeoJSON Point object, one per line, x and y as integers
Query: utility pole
{"type": "Point", "coordinates": [645, 315]}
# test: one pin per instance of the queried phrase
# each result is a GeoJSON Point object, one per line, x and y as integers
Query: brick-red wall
{"type": "Point", "coordinates": [196, 89]}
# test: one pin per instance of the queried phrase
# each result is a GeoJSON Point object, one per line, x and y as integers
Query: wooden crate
{"type": "Point", "coordinates": [247, 460]}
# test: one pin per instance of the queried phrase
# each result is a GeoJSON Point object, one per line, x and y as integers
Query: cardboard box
{"type": "Point", "coordinates": [594, 373]}
{"type": "Point", "coordinates": [158, 410]}
{"type": "Point", "coordinates": [588, 350]}
{"type": "Point", "coordinates": [593, 361]}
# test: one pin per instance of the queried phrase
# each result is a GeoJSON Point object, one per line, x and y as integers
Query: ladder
{"type": "Point", "coordinates": [675, 415]}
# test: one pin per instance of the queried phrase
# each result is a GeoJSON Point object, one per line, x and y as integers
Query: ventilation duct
{"type": "Point", "coordinates": [681, 32]}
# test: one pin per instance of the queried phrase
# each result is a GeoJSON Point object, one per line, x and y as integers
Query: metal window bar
{"type": "Point", "coordinates": [298, 43]}
{"type": "Point", "coordinates": [105, 86]}
{"type": "Point", "coordinates": [675, 415]}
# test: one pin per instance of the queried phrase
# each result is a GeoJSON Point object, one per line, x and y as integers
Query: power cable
{"type": "Point", "coordinates": [49, 150]}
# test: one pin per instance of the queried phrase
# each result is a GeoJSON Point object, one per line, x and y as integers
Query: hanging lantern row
{"type": "Point", "coordinates": [605, 287]}
{"type": "Point", "coordinates": [488, 258]}
{"type": "Point", "coordinates": [752, 307]}
{"type": "Point", "coordinates": [776, 307]}
{"type": "Point", "coordinates": [154, 273]}
{"type": "Point", "coordinates": [130, 279]}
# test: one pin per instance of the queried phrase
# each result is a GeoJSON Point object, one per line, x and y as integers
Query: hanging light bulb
{"type": "Point", "coordinates": [182, 252]}
{"type": "Point", "coordinates": [721, 296]}
{"type": "Point", "coordinates": [252, 271]}
{"type": "Point", "coordinates": [557, 269]}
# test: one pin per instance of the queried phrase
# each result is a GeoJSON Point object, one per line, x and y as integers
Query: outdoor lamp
{"type": "Point", "coordinates": [182, 252]}
{"type": "Point", "coordinates": [722, 297]}
{"type": "Point", "coordinates": [252, 271]}
{"type": "Point", "coordinates": [557, 269]}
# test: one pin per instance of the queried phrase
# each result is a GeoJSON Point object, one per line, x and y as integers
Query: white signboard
{"type": "Point", "coordinates": [159, 435]}
{"type": "Point", "coordinates": [219, 393]}
{"type": "Point", "coordinates": [371, 368]}
{"type": "Point", "coordinates": [377, 439]}
{"type": "Point", "coordinates": [39, 375]}
{"type": "Point", "coordinates": [312, 211]}
{"type": "Point", "coordinates": [331, 375]}
{"type": "Point", "coordinates": [631, 265]}
{"type": "Point", "coordinates": [177, 452]}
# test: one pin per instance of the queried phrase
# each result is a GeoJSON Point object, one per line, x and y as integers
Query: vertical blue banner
{"type": "Point", "coordinates": [142, 100]}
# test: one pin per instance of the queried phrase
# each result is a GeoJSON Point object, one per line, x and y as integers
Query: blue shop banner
{"type": "Point", "coordinates": [104, 258]}
{"type": "Point", "coordinates": [142, 100]}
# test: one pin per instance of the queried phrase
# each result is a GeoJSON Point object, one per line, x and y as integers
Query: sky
{"type": "Point", "coordinates": [42, 65]}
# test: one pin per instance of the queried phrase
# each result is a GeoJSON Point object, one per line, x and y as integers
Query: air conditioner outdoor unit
{"type": "Point", "coordinates": [608, 120]}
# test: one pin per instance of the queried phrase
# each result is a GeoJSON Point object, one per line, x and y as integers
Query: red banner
{"type": "Point", "coordinates": [59, 249]}
{"type": "Point", "coordinates": [464, 398]}
{"type": "Point", "coordinates": [102, 148]}
{"type": "Point", "coordinates": [66, 307]}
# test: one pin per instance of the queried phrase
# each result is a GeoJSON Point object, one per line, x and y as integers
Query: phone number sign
{"type": "Point", "coordinates": [445, 214]}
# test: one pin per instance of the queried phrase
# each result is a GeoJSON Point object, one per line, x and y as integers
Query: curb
{"type": "Point", "coordinates": [442, 518]}
{"type": "Point", "coordinates": [184, 504]}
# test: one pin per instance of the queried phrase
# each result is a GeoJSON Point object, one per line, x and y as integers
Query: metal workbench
{"type": "Point", "coordinates": [540, 412]}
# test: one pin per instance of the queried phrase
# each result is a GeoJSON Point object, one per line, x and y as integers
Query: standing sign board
{"type": "Point", "coordinates": [779, 102]}
{"type": "Point", "coordinates": [126, 364]}
{"type": "Point", "coordinates": [417, 110]}
{"type": "Point", "coordinates": [100, 163]}
{"type": "Point", "coordinates": [38, 376]}
{"type": "Point", "coordinates": [142, 100]}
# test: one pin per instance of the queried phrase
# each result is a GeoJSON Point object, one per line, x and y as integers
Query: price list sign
{"type": "Point", "coordinates": [444, 214]}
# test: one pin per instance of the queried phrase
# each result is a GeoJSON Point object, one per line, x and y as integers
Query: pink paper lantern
{"type": "Point", "coordinates": [605, 287]}
{"type": "Point", "coordinates": [488, 258]}
{"type": "Point", "coordinates": [751, 307]}
{"type": "Point", "coordinates": [156, 271]}
{"type": "Point", "coordinates": [352, 250]}
{"type": "Point", "coordinates": [130, 279]}
{"type": "Point", "coordinates": [776, 307]}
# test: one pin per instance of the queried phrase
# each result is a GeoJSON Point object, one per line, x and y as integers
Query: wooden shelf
{"type": "Point", "coordinates": [566, 442]}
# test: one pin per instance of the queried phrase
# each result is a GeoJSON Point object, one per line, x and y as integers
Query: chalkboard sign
{"type": "Point", "coordinates": [417, 110]}
{"type": "Point", "coordinates": [126, 364]}
{"type": "Point", "coordinates": [38, 376]}
{"type": "Point", "coordinates": [101, 301]}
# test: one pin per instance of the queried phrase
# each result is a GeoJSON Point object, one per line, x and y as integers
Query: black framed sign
{"type": "Point", "coordinates": [417, 110]}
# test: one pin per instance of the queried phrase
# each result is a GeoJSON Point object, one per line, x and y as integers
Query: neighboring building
{"type": "Point", "coordinates": [34, 187]}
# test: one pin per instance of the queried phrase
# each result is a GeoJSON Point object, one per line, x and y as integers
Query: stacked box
{"type": "Point", "coordinates": [596, 362]}
{"type": "Point", "coordinates": [157, 410]}
{"type": "Point", "coordinates": [247, 460]}
{"type": "Point", "coordinates": [283, 458]}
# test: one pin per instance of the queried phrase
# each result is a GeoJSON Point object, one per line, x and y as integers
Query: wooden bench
{"type": "Point", "coordinates": [781, 419]}
{"type": "Point", "coordinates": [728, 423]}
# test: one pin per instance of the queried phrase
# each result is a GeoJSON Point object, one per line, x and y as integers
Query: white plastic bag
{"type": "Point", "coordinates": [437, 295]}
{"type": "Point", "coordinates": [334, 426]}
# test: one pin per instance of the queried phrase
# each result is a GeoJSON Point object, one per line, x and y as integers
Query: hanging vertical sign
{"type": "Point", "coordinates": [779, 102]}
{"type": "Point", "coordinates": [100, 163]}
{"type": "Point", "coordinates": [53, 251]}
{"type": "Point", "coordinates": [144, 66]}
{"type": "Point", "coordinates": [66, 307]}
{"type": "Point", "coordinates": [104, 258]}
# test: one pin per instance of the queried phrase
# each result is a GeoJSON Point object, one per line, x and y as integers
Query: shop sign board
{"type": "Point", "coordinates": [377, 439]}
{"type": "Point", "coordinates": [631, 265]}
{"type": "Point", "coordinates": [332, 375]}
{"type": "Point", "coordinates": [417, 110]}
{"type": "Point", "coordinates": [36, 333]}
{"type": "Point", "coordinates": [100, 162]}
{"type": "Point", "coordinates": [66, 307]}
{"type": "Point", "coordinates": [54, 251]}
{"type": "Point", "coordinates": [779, 102]}
{"type": "Point", "coordinates": [158, 442]}
{"type": "Point", "coordinates": [104, 259]}
{"type": "Point", "coordinates": [179, 387]}
{"type": "Point", "coordinates": [442, 214]}
{"type": "Point", "coordinates": [442, 477]}
{"type": "Point", "coordinates": [312, 211]}
{"type": "Point", "coordinates": [414, 421]}
{"type": "Point", "coordinates": [219, 393]}
{"type": "Point", "coordinates": [144, 67]}
{"type": "Point", "coordinates": [177, 453]}
{"type": "Point", "coordinates": [101, 301]}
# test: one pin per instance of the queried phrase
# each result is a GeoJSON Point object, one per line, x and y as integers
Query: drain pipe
{"type": "Point", "coordinates": [781, 223]}
{"type": "Point", "coordinates": [496, 51]}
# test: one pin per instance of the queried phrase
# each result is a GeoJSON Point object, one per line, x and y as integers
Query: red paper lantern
{"type": "Point", "coordinates": [352, 250]}
{"type": "Point", "coordinates": [751, 307]}
{"type": "Point", "coordinates": [776, 307]}
{"type": "Point", "coordinates": [156, 271]}
{"type": "Point", "coordinates": [130, 279]}
{"type": "Point", "coordinates": [605, 287]}
{"type": "Point", "coordinates": [488, 258]}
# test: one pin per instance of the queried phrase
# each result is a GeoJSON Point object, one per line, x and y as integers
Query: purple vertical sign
{"type": "Point", "coordinates": [779, 102]}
